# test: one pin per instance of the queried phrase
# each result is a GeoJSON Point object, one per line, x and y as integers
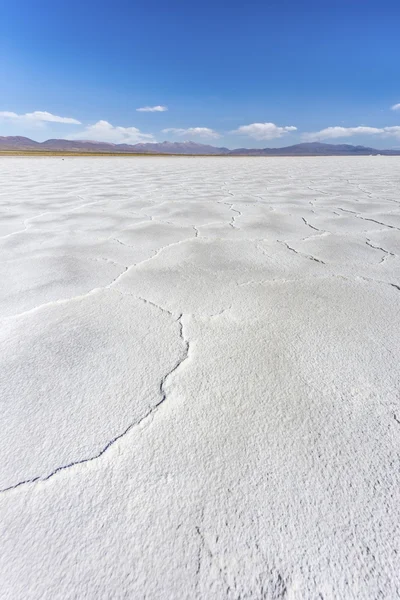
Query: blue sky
{"type": "Point", "coordinates": [240, 74]}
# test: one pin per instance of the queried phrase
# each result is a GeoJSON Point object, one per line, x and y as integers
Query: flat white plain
{"type": "Point", "coordinates": [199, 378]}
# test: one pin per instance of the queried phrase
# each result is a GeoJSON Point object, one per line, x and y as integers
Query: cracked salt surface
{"type": "Point", "coordinates": [199, 378]}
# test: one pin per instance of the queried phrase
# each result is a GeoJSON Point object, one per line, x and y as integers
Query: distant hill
{"type": "Point", "coordinates": [23, 143]}
{"type": "Point", "coordinates": [178, 148]}
{"type": "Point", "coordinates": [314, 149]}
{"type": "Point", "coordinates": [19, 143]}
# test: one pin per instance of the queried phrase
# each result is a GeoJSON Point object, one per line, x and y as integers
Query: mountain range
{"type": "Point", "coordinates": [18, 143]}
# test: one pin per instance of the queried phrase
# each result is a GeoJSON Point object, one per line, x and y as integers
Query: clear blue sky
{"type": "Point", "coordinates": [217, 66]}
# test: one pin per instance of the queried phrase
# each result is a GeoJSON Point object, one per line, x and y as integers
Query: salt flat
{"type": "Point", "coordinates": [200, 365]}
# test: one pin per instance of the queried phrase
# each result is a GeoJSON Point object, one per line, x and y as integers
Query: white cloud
{"type": "Point", "coordinates": [196, 131]}
{"type": "Point", "coordinates": [152, 109]}
{"type": "Point", "coordinates": [263, 131]}
{"type": "Point", "coordinates": [340, 132]}
{"type": "Point", "coordinates": [395, 130]}
{"type": "Point", "coordinates": [396, 106]}
{"type": "Point", "coordinates": [38, 116]}
{"type": "Point", "coordinates": [103, 131]}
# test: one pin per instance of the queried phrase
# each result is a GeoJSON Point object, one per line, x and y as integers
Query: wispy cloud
{"type": "Point", "coordinates": [38, 116]}
{"type": "Point", "coordinates": [341, 132]}
{"type": "Point", "coordinates": [103, 131]}
{"type": "Point", "coordinates": [158, 108]}
{"type": "Point", "coordinates": [396, 106]}
{"type": "Point", "coordinates": [204, 132]}
{"type": "Point", "coordinates": [263, 131]}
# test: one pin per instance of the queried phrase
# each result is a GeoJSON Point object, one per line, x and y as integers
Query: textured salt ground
{"type": "Point", "coordinates": [200, 378]}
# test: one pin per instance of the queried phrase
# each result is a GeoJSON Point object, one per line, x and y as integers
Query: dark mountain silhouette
{"type": "Point", "coordinates": [23, 143]}
{"type": "Point", "coordinates": [19, 143]}
{"type": "Point", "coordinates": [179, 148]}
{"type": "Point", "coordinates": [313, 149]}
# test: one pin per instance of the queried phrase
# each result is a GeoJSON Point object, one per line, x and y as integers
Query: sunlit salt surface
{"type": "Point", "coordinates": [200, 378]}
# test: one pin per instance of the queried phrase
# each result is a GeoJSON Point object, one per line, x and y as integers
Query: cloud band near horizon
{"type": "Point", "coordinates": [39, 116]}
{"type": "Point", "coordinates": [343, 132]}
{"type": "Point", "coordinates": [102, 130]}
